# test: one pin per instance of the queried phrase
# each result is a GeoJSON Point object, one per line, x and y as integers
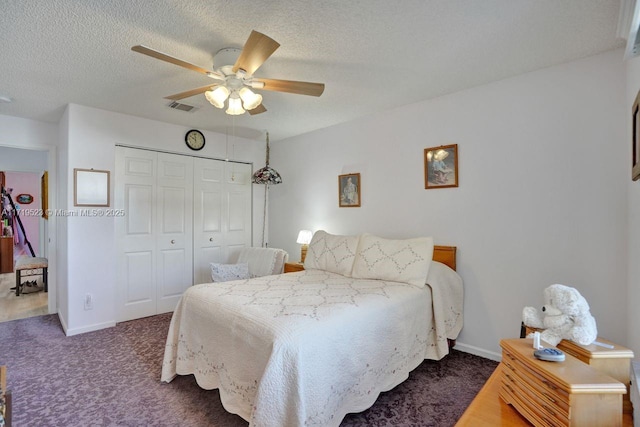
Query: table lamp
{"type": "Point", "coordinates": [304, 238]}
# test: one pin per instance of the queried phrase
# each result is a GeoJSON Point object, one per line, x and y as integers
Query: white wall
{"type": "Point", "coordinates": [21, 160]}
{"type": "Point", "coordinates": [542, 196]}
{"type": "Point", "coordinates": [92, 137]}
{"type": "Point", "coordinates": [633, 300]}
{"type": "Point", "coordinates": [62, 244]}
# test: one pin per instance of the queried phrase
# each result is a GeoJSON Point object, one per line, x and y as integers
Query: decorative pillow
{"type": "Point", "coordinates": [226, 272]}
{"type": "Point", "coordinates": [405, 261]}
{"type": "Point", "coordinates": [331, 252]}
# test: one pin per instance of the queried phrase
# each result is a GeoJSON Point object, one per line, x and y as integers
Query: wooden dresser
{"type": "Point", "coordinates": [569, 393]}
{"type": "Point", "coordinates": [614, 361]}
{"type": "Point", "coordinates": [6, 254]}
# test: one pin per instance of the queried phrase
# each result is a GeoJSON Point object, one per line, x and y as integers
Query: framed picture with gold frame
{"type": "Point", "coordinates": [441, 167]}
{"type": "Point", "coordinates": [44, 188]}
{"type": "Point", "coordinates": [90, 187]}
{"type": "Point", "coordinates": [349, 190]}
{"type": "Point", "coordinates": [635, 139]}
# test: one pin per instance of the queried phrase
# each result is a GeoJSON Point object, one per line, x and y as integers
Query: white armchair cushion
{"type": "Point", "coordinates": [227, 272]}
{"type": "Point", "coordinates": [331, 252]}
{"type": "Point", "coordinates": [405, 261]}
{"type": "Point", "coordinates": [263, 261]}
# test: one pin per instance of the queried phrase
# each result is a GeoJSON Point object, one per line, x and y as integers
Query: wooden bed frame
{"type": "Point", "coordinates": [445, 255]}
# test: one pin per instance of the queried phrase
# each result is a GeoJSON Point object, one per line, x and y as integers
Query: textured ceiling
{"type": "Point", "coordinates": [373, 55]}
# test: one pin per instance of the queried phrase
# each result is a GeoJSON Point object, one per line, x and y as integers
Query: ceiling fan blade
{"type": "Point", "coordinates": [191, 92]}
{"type": "Point", "coordinates": [164, 57]}
{"type": "Point", "coordinates": [255, 51]}
{"type": "Point", "coordinates": [259, 109]}
{"type": "Point", "coordinates": [290, 86]}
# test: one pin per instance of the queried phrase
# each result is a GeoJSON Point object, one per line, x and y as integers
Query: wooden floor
{"type": "Point", "coordinates": [488, 410]}
{"type": "Point", "coordinates": [26, 305]}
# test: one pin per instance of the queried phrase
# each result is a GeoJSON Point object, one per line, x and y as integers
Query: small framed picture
{"type": "Point", "coordinates": [24, 199]}
{"type": "Point", "coordinates": [349, 190]}
{"type": "Point", "coordinates": [441, 167]}
{"type": "Point", "coordinates": [635, 143]}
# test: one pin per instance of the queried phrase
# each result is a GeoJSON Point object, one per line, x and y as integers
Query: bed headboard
{"type": "Point", "coordinates": [445, 255]}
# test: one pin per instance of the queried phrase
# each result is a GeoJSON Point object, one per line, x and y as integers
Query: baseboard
{"type": "Point", "coordinates": [89, 328]}
{"type": "Point", "coordinates": [63, 324]}
{"type": "Point", "coordinates": [478, 351]}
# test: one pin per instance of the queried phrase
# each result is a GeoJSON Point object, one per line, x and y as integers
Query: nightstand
{"type": "Point", "coordinates": [292, 267]}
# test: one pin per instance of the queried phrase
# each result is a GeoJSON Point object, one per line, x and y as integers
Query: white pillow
{"type": "Point", "coordinates": [226, 272]}
{"type": "Point", "coordinates": [405, 261]}
{"type": "Point", "coordinates": [331, 252]}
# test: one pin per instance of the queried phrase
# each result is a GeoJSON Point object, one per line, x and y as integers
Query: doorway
{"type": "Point", "coordinates": [23, 171]}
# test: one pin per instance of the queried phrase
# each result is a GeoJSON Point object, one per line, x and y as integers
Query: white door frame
{"type": "Point", "coordinates": [50, 232]}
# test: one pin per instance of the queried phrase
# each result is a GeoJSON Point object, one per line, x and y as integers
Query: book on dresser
{"type": "Point", "coordinates": [568, 393]}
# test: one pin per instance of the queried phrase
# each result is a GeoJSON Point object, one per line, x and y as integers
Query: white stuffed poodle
{"type": "Point", "coordinates": [565, 315]}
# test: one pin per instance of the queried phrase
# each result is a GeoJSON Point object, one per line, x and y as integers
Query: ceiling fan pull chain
{"type": "Point", "coordinates": [267, 160]}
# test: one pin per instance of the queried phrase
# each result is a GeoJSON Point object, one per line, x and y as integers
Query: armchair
{"type": "Point", "coordinates": [252, 262]}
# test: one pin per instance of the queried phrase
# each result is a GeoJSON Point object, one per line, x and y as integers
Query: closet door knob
{"type": "Point", "coordinates": [211, 239]}
{"type": "Point", "coordinates": [173, 241]}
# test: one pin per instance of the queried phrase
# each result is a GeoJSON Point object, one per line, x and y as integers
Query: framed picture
{"type": "Point", "coordinates": [441, 167]}
{"type": "Point", "coordinates": [44, 184]}
{"type": "Point", "coordinates": [90, 187]}
{"type": "Point", "coordinates": [349, 190]}
{"type": "Point", "coordinates": [635, 140]}
{"type": "Point", "coordinates": [24, 199]}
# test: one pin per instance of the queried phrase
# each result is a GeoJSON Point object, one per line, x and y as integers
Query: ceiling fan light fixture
{"type": "Point", "coordinates": [250, 100]}
{"type": "Point", "coordinates": [255, 84]}
{"type": "Point", "coordinates": [217, 96]}
{"type": "Point", "coordinates": [235, 106]}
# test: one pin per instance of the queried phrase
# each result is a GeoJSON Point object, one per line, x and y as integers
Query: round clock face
{"type": "Point", "coordinates": [194, 139]}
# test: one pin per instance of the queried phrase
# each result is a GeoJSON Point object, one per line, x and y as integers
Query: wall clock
{"type": "Point", "coordinates": [194, 139]}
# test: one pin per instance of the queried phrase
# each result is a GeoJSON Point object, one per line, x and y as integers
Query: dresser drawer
{"type": "Point", "coordinates": [549, 412]}
{"type": "Point", "coordinates": [509, 395]}
{"type": "Point", "coordinates": [541, 385]}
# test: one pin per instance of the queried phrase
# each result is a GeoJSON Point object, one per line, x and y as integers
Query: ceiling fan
{"type": "Point", "coordinates": [233, 72]}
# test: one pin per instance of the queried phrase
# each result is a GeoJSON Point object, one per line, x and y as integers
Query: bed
{"type": "Point", "coordinates": [309, 347]}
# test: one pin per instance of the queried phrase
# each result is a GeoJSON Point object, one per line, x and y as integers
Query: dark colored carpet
{"type": "Point", "coordinates": [112, 377]}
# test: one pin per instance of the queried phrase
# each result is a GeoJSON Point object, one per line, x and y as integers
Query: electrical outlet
{"type": "Point", "coordinates": [88, 302]}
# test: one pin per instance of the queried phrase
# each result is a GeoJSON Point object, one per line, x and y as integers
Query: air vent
{"type": "Point", "coordinates": [182, 107]}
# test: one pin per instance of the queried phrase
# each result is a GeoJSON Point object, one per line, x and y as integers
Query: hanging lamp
{"type": "Point", "coordinates": [267, 176]}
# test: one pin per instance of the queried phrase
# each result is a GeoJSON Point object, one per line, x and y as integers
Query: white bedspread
{"type": "Point", "coordinates": [307, 348]}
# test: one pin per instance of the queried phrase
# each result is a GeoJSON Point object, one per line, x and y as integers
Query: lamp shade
{"type": "Point", "coordinates": [266, 175]}
{"type": "Point", "coordinates": [250, 100]}
{"type": "Point", "coordinates": [217, 96]}
{"type": "Point", "coordinates": [304, 237]}
{"type": "Point", "coordinates": [235, 106]}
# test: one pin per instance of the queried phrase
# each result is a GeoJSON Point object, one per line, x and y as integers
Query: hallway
{"type": "Point", "coordinates": [25, 305]}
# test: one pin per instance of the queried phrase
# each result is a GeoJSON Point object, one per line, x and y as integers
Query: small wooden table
{"type": "Point", "coordinates": [292, 267]}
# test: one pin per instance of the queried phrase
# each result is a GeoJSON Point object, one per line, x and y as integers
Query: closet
{"type": "Point", "coordinates": [180, 213]}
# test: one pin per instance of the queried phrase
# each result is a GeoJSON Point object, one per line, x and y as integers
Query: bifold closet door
{"type": "Point", "coordinates": [155, 236]}
{"type": "Point", "coordinates": [174, 239]}
{"type": "Point", "coordinates": [222, 213]}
